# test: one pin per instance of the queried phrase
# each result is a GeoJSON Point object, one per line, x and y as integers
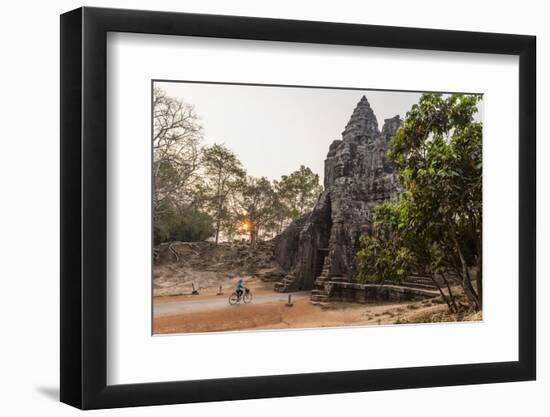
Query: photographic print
{"type": "Point", "coordinates": [291, 207]}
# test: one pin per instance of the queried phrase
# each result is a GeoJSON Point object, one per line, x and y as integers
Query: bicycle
{"type": "Point", "coordinates": [245, 297]}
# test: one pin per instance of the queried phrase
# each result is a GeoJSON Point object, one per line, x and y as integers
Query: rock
{"type": "Point", "coordinates": [358, 177]}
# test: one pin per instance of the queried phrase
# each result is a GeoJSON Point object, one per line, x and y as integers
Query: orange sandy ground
{"type": "Point", "coordinates": [276, 315]}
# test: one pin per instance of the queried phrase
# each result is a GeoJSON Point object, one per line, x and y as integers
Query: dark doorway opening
{"type": "Point", "coordinates": [321, 254]}
{"type": "Point", "coordinates": [324, 227]}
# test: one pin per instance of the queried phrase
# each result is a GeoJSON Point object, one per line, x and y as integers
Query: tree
{"type": "Point", "coordinates": [297, 194]}
{"type": "Point", "coordinates": [184, 225]}
{"type": "Point", "coordinates": [177, 135]}
{"type": "Point", "coordinates": [436, 225]}
{"type": "Point", "coordinates": [225, 174]}
{"type": "Point", "coordinates": [386, 255]}
{"type": "Point", "coordinates": [299, 191]}
{"type": "Point", "coordinates": [177, 189]}
{"type": "Point", "coordinates": [396, 250]}
{"type": "Point", "coordinates": [281, 215]}
{"type": "Point", "coordinates": [258, 200]}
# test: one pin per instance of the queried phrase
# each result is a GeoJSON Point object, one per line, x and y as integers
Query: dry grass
{"type": "Point", "coordinates": [439, 314]}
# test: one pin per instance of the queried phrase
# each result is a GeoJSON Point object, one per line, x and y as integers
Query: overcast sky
{"type": "Point", "coordinates": [274, 130]}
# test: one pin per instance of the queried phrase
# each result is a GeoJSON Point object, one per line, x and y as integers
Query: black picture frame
{"type": "Point", "coordinates": [84, 207]}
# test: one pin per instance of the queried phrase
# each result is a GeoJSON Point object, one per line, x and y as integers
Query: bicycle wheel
{"type": "Point", "coordinates": [247, 297]}
{"type": "Point", "coordinates": [233, 299]}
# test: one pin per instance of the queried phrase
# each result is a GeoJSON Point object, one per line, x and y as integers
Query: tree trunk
{"type": "Point", "coordinates": [479, 284]}
{"type": "Point", "coordinates": [471, 289]}
{"type": "Point", "coordinates": [219, 215]}
{"type": "Point", "coordinates": [218, 222]}
{"type": "Point", "coordinates": [445, 298]}
{"type": "Point", "coordinates": [479, 274]}
{"type": "Point", "coordinates": [465, 274]}
{"type": "Point", "coordinates": [253, 236]}
{"type": "Point", "coordinates": [451, 295]}
{"type": "Point", "coordinates": [217, 231]}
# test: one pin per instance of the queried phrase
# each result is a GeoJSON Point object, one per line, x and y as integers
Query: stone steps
{"type": "Point", "coordinates": [338, 279]}
{"type": "Point", "coordinates": [421, 282]}
{"type": "Point", "coordinates": [319, 293]}
{"type": "Point", "coordinates": [431, 286]}
{"type": "Point", "coordinates": [418, 279]}
{"type": "Point", "coordinates": [424, 292]}
{"type": "Point", "coordinates": [286, 284]}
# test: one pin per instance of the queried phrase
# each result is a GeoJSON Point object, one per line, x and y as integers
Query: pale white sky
{"type": "Point", "coordinates": [274, 130]}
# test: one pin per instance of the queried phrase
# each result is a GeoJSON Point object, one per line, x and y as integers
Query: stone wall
{"type": "Point", "coordinates": [375, 293]}
{"type": "Point", "coordinates": [286, 244]}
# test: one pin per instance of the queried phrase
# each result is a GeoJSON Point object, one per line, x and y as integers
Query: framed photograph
{"type": "Point", "coordinates": [258, 208]}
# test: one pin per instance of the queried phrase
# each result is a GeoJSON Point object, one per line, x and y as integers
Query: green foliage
{"type": "Point", "coordinates": [436, 225]}
{"type": "Point", "coordinates": [259, 202]}
{"type": "Point", "coordinates": [387, 260]}
{"type": "Point", "coordinates": [221, 164]}
{"type": "Point", "coordinates": [189, 225]}
{"type": "Point", "coordinates": [298, 192]}
{"type": "Point", "coordinates": [224, 174]}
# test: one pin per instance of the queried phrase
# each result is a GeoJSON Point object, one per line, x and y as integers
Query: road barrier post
{"type": "Point", "coordinates": [289, 303]}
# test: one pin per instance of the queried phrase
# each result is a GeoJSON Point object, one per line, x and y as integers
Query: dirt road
{"type": "Point", "coordinates": [209, 312]}
{"type": "Point", "coordinates": [269, 311]}
{"type": "Point", "coordinates": [179, 306]}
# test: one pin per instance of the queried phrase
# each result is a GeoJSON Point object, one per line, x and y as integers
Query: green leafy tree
{"type": "Point", "coordinates": [224, 174]}
{"type": "Point", "coordinates": [186, 225]}
{"type": "Point", "coordinates": [386, 255]}
{"type": "Point", "coordinates": [258, 202]}
{"type": "Point", "coordinates": [280, 214]}
{"type": "Point", "coordinates": [396, 250]}
{"type": "Point", "coordinates": [299, 191]}
{"type": "Point", "coordinates": [436, 225]}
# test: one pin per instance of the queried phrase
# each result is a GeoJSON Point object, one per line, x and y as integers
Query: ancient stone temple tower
{"type": "Point", "coordinates": [322, 244]}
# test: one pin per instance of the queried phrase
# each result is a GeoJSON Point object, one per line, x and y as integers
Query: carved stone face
{"type": "Point", "coordinates": [341, 167]}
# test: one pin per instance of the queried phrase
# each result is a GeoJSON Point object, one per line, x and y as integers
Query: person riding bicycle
{"type": "Point", "coordinates": [241, 293]}
{"type": "Point", "coordinates": [239, 287]}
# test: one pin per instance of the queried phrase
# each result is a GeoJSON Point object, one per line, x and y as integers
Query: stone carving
{"type": "Point", "coordinates": [358, 177]}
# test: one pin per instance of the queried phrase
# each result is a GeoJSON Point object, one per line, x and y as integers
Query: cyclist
{"type": "Point", "coordinates": [239, 288]}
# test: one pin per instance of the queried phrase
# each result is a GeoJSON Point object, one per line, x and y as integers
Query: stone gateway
{"type": "Point", "coordinates": [321, 246]}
